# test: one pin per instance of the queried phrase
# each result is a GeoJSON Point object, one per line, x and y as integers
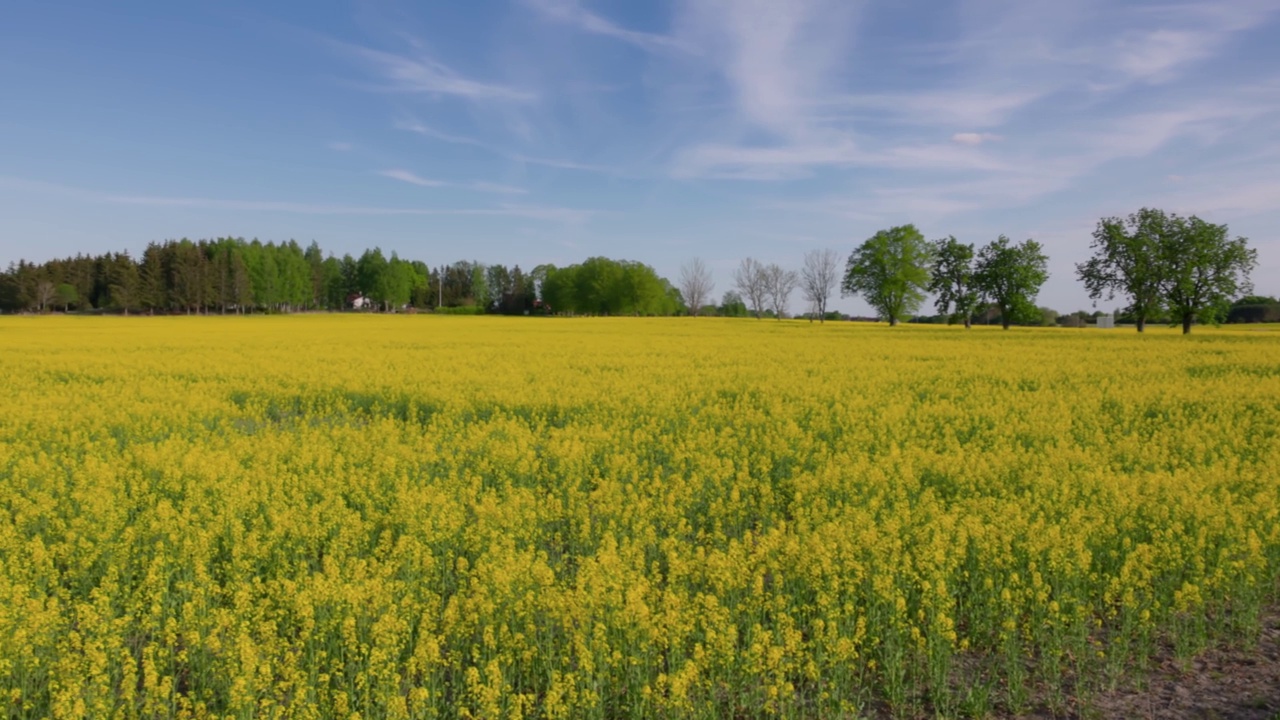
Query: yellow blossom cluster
{"type": "Point", "coordinates": [434, 517]}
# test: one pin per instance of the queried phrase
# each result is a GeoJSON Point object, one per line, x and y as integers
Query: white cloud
{"type": "Point", "coordinates": [423, 74]}
{"type": "Point", "coordinates": [572, 13]}
{"type": "Point", "coordinates": [550, 213]}
{"type": "Point", "coordinates": [481, 186]}
{"type": "Point", "coordinates": [785, 162]}
{"type": "Point", "coordinates": [411, 178]}
{"type": "Point", "coordinates": [973, 138]}
{"type": "Point", "coordinates": [560, 163]}
{"type": "Point", "coordinates": [1186, 33]}
{"type": "Point", "coordinates": [478, 186]}
{"type": "Point", "coordinates": [778, 58]}
{"type": "Point", "coordinates": [974, 108]}
{"type": "Point", "coordinates": [340, 146]}
{"type": "Point", "coordinates": [414, 126]}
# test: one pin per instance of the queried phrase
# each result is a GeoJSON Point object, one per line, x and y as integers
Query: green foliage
{"type": "Point", "coordinates": [1162, 261]}
{"type": "Point", "coordinates": [1203, 270]}
{"type": "Point", "coordinates": [601, 286]}
{"type": "Point", "coordinates": [952, 282]}
{"type": "Point", "coordinates": [732, 305]}
{"type": "Point", "coordinates": [66, 295]}
{"type": "Point", "coordinates": [1010, 276]}
{"type": "Point", "coordinates": [1127, 260]}
{"type": "Point", "coordinates": [1254, 313]}
{"type": "Point", "coordinates": [890, 271]}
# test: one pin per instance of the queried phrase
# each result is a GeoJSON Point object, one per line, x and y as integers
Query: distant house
{"type": "Point", "coordinates": [359, 302]}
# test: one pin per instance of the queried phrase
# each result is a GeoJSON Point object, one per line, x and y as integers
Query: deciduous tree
{"type": "Point", "coordinates": [1204, 269]}
{"type": "Point", "coordinates": [819, 278]}
{"type": "Point", "coordinates": [890, 271]}
{"type": "Point", "coordinates": [1127, 261]}
{"type": "Point", "coordinates": [780, 283]}
{"type": "Point", "coordinates": [952, 282]}
{"type": "Point", "coordinates": [695, 285]}
{"type": "Point", "coordinates": [1010, 277]}
{"type": "Point", "coordinates": [752, 283]}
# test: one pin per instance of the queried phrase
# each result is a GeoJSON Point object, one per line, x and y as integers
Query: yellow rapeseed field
{"type": "Point", "coordinates": [419, 517]}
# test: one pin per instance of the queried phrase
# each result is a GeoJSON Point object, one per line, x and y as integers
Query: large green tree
{"type": "Point", "coordinates": [1010, 276]}
{"type": "Point", "coordinates": [890, 271]}
{"type": "Point", "coordinates": [953, 282]}
{"type": "Point", "coordinates": [1127, 260]}
{"type": "Point", "coordinates": [1204, 269]}
{"type": "Point", "coordinates": [602, 286]}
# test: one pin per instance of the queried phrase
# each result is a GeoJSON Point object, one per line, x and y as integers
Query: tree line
{"type": "Point", "coordinates": [1166, 266]}
{"type": "Point", "coordinates": [232, 275]}
{"type": "Point", "coordinates": [1163, 264]}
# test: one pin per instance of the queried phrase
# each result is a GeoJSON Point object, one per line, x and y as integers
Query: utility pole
{"type": "Point", "coordinates": [440, 288]}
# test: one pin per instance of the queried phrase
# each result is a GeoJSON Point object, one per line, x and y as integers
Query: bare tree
{"type": "Point", "coordinates": [753, 284]}
{"type": "Point", "coordinates": [819, 277]}
{"type": "Point", "coordinates": [46, 293]}
{"type": "Point", "coordinates": [696, 285]}
{"type": "Point", "coordinates": [779, 284]}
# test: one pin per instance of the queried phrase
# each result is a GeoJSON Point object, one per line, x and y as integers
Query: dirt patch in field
{"type": "Point", "coordinates": [1220, 684]}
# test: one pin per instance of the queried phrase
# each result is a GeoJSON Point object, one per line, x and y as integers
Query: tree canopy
{"type": "Point", "coordinates": [1161, 261]}
{"type": "Point", "coordinates": [1010, 276]}
{"type": "Point", "coordinates": [890, 271]}
{"type": "Point", "coordinates": [953, 285]}
{"type": "Point", "coordinates": [601, 286]}
{"type": "Point", "coordinates": [1126, 261]}
{"type": "Point", "coordinates": [1203, 269]}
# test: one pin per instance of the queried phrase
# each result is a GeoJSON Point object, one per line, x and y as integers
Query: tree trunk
{"type": "Point", "coordinates": [893, 322]}
{"type": "Point", "coordinates": [1004, 320]}
{"type": "Point", "coordinates": [968, 322]}
{"type": "Point", "coordinates": [1186, 323]}
{"type": "Point", "coordinates": [1142, 323]}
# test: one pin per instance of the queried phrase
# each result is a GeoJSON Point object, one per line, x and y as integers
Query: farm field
{"type": "Point", "coordinates": [417, 517]}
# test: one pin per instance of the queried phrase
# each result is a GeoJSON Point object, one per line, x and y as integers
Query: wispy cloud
{"type": "Point", "coordinates": [1184, 34]}
{"type": "Point", "coordinates": [1062, 160]}
{"type": "Point", "coordinates": [414, 126]}
{"type": "Point", "coordinates": [499, 188]}
{"type": "Point", "coordinates": [973, 138]}
{"type": "Point", "coordinates": [776, 62]}
{"type": "Point", "coordinates": [420, 73]}
{"type": "Point", "coordinates": [340, 146]}
{"type": "Point", "coordinates": [533, 212]}
{"type": "Point", "coordinates": [798, 160]}
{"type": "Point", "coordinates": [550, 213]}
{"type": "Point", "coordinates": [571, 12]}
{"type": "Point", "coordinates": [796, 112]}
{"type": "Point", "coordinates": [777, 58]}
{"type": "Point", "coordinates": [413, 178]}
{"type": "Point", "coordinates": [565, 215]}
{"type": "Point", "coordinates": [564, 164]}
{"type": "Point", "coordinates": [976, 107]}
{"type": "Point", "coordinates": [419, 128]}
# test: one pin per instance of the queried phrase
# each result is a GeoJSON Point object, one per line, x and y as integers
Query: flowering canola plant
{"type": "Point", "coordinates": [434, 517]}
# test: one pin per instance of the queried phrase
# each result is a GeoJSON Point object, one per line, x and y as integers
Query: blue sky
{"type": "Point", "coordinates": [528, 131]}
